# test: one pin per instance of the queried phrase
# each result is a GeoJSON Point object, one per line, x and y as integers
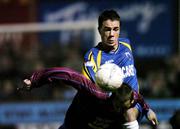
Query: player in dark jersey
{"type": "Point", "coordinates": [92, 108]}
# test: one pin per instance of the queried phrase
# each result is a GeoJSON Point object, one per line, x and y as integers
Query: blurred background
{"type": "Point", "coordinates": [36, 34]}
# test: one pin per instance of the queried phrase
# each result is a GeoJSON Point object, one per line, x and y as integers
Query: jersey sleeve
{"type": "Point", "coordinates": [138, 98]}
{"type": "Point", "coordinates": [127, 45]}
{"type": "Point", "coordinates": [125, 42]}
{"type": "Point", "coordinates": [89, 66]}
{"type": "Point", "coordinates": [70, 77]}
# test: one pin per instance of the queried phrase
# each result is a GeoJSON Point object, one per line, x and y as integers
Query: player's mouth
{"type": "Point", "coordinates": [111, 41]}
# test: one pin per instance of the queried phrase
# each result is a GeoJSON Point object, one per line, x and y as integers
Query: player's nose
{"type": "Point", "coordinates": [111, 33]}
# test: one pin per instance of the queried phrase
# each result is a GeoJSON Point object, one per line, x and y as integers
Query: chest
{"type": "Point", "coordinates": [121, 58]}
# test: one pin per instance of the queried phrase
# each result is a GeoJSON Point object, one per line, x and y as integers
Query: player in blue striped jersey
{"type": "Point", "coordinates": [113, 49]}
{"type": "Point", "coordinates": [122, 56]}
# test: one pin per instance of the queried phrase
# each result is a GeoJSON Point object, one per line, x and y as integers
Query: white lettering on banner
{"type": "Point", "coordinates": [145, 12]}
{"type": "Point", "coordinates": [67, 13]}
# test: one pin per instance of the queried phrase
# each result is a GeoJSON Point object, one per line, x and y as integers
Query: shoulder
{"type": "Point", "coordinates": [125, 42]}
{"type": "Point", "coordinates": [91, 52]}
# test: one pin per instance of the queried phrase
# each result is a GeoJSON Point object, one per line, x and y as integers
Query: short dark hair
{"type": "Point", "coordinates": [107, 14]}
{"type": "Point", "coordinates": [125, 92]}
{"type": "Point", "coordinates": [125, 89]}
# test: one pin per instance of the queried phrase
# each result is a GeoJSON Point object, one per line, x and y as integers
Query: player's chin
{"type": "Point", "coordinates": [112, 42]}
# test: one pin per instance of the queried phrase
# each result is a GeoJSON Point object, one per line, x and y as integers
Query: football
{"type": "Point", "coordinates": [109, 76]}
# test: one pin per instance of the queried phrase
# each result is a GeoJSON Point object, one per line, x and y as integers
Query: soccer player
{"type": "Point", "coordinates": [96, 109]}
{"type": "Point", "coordinates": [92, 108]}
{"type": "Point", "coordinates": [114, 49]}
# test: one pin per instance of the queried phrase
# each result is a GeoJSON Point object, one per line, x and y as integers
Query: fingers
{"type": "Point", "coordinates": [152, 117]}
{"type": "Point", "coordinates": [27, 82]}
{"type": "Point", "coordinates": [155, 122]}
{"type": "Point", "coordinates": [25, 86]}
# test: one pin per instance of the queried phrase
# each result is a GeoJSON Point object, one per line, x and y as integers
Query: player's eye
{"type": "Point", "coordinates": [116, 29]}
{"type": "Point", "coordinates": [107, 29]}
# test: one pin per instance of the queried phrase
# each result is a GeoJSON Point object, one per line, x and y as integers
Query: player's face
{"type": "Point", "coordinates": [110, 33]}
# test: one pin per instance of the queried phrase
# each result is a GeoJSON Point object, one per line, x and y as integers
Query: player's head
{"type": "Point", "coordinates": [109, 28]}
{"type": "Point", "coordinates": [108, 15]}
{"type": "Point", "coordinates": [123, 97]}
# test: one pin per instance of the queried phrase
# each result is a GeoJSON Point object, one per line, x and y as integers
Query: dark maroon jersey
{"type": "Point", "coordinates": [92, 107]}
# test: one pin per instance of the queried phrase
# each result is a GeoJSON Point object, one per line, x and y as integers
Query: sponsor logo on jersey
{"type": "Point", "coordinates": [109, 61]}
{"type": "Point", "coordinates": [128, 70]}
{"type": "Point", "coordinates": [128, 55]}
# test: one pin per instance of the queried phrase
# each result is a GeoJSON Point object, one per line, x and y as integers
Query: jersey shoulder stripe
{"type": "Point", "coordinates": [99, 56]}
{"type": "Point", "coordinates": [125, 42]}
{"type": "Point", "coordinates": [85, 72]}
{"type": "Point", "coordinates": [92, 61]}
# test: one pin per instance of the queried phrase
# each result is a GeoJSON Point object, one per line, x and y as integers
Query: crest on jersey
{"type": "Point", "coordinates": [128, 55]}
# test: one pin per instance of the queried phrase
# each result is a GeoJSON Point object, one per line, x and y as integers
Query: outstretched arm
{"type": "Point", "coordinates": [150, 114]}
{"type": "Point", "coordinates": [68, 76]}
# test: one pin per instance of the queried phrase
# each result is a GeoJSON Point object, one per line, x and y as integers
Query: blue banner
{"type": "Point", "coordinates": [164, 108]}
{"type": "Point", "coordinates": [14, 113]}
{"type": "Point", "coordinates": [148, 23]}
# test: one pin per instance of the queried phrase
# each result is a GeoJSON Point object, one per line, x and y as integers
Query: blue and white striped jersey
{"type": "Point", "coordinates": [123, 57]}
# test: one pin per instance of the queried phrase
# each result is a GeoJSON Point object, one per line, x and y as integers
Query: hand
{"type": "Point", "coordinates": [27, 83]}
{"type": "Point", "coordinates": [151, 116]}
{"type": "Point", "coordinates": [26, 86]}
